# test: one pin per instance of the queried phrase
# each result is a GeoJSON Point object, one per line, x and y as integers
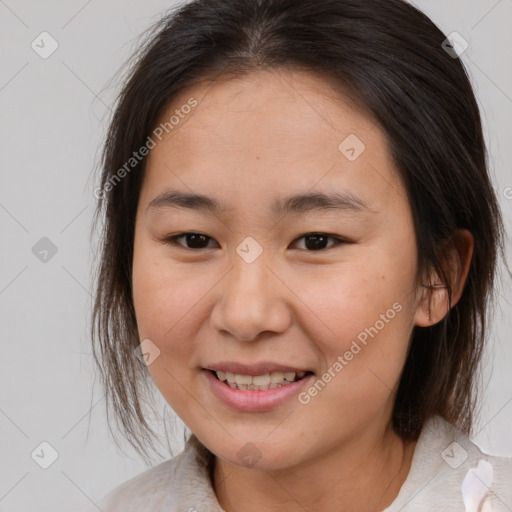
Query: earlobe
{"type": "Point", "coordinates": [434, 303]}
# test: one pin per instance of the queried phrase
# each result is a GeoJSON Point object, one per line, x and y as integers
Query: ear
{"type": "Point", "coordinates": [456, 258]}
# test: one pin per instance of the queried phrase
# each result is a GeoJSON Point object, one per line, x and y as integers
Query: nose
{"type": "Point", "coordinates": [251, 300]}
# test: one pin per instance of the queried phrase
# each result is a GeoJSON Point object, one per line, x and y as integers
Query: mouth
{"type": "Point", "coordinates": [256, 387]}
{"type": "Point", "coordinates": [263, 382]}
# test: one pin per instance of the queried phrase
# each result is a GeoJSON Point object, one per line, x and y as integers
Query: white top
{"type": "Point", "coordinates": [448, 473]}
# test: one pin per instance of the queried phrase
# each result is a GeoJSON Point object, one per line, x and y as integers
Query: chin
{"type": "Point", "coordinates": [253, 454]}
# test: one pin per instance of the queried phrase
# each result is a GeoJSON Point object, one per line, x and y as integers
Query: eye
{"type": "Point", "coordinates": [315, 242]}
{"type": "Point", "coordinates": [196, 240]}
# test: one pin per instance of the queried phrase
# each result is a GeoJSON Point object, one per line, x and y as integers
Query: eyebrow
{"type": "Point", "coordinates": [299, 203]}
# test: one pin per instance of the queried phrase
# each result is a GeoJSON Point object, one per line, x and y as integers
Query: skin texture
{"type": "Point", "coordinates": [249, 141]}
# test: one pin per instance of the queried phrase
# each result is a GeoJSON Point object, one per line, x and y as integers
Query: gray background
{"type": "Point", "coordinates": [53, 119]}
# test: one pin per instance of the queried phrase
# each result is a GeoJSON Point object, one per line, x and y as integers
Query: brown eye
{"type": "Point", "coordinates": [315, 242]}
{"type": "Point", "coordinates": [192, 240]}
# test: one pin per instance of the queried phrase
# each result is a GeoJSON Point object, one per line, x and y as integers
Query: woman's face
{"type": "Point", "coordinates": [254, 296]}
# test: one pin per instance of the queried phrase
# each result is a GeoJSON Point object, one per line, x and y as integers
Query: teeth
{"type": "Point", "coordinates": [276, 377]}
{"type": "Point", "coordinates": [243, 379]}
{"type": "Point", "coordinates": [259, 382]}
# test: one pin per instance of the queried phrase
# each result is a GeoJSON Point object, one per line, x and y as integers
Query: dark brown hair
{"type": "Point", "coordinates": [388, 57]}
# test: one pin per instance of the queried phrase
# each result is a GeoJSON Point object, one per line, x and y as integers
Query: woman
{"type": "Point", "coordinates": [312, 375]}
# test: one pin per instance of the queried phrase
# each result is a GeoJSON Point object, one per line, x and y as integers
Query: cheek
{"type": "Point", "coordinates": [167, 301]}
{"type": "Point", "coordinates": [166, 297]}
{"type": "Point", "coordinates": [367, 315]}
{"type": "Point", "coordinates": [346, 300]}
{"type": "Point", "coordinates": [171, 307]}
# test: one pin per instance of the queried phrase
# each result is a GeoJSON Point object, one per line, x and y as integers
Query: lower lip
{"type": "Point", "coordinates": [254, 401]}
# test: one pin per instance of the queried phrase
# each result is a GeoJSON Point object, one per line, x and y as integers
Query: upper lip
{"type": "Point", "coordinates": [253, 369]}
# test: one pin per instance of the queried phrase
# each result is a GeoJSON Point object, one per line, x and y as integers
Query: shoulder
{"type": "Point", "coordinates": [180, 483]}
{"type": "Point", "coordinates": [450, 472]}
{"type": "Point", "coordinates": [143, 491]}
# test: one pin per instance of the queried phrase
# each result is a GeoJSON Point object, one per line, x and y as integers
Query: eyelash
{"type": "Point", "coordinates": [173, 240]}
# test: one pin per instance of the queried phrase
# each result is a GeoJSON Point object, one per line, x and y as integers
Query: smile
{"type": "Point", "coordinates": [261, 391]}
{"type": "Point", "coordinates": [258, 382]}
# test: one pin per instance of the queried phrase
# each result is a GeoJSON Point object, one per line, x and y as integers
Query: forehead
{"type": "Point", "coordinates": [293, 106]}
{"type": "Point", "coordinates": [268, 131]}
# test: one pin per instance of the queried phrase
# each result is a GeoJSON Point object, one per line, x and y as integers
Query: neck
{"type": "Point", "coordinates": [365, 476]}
